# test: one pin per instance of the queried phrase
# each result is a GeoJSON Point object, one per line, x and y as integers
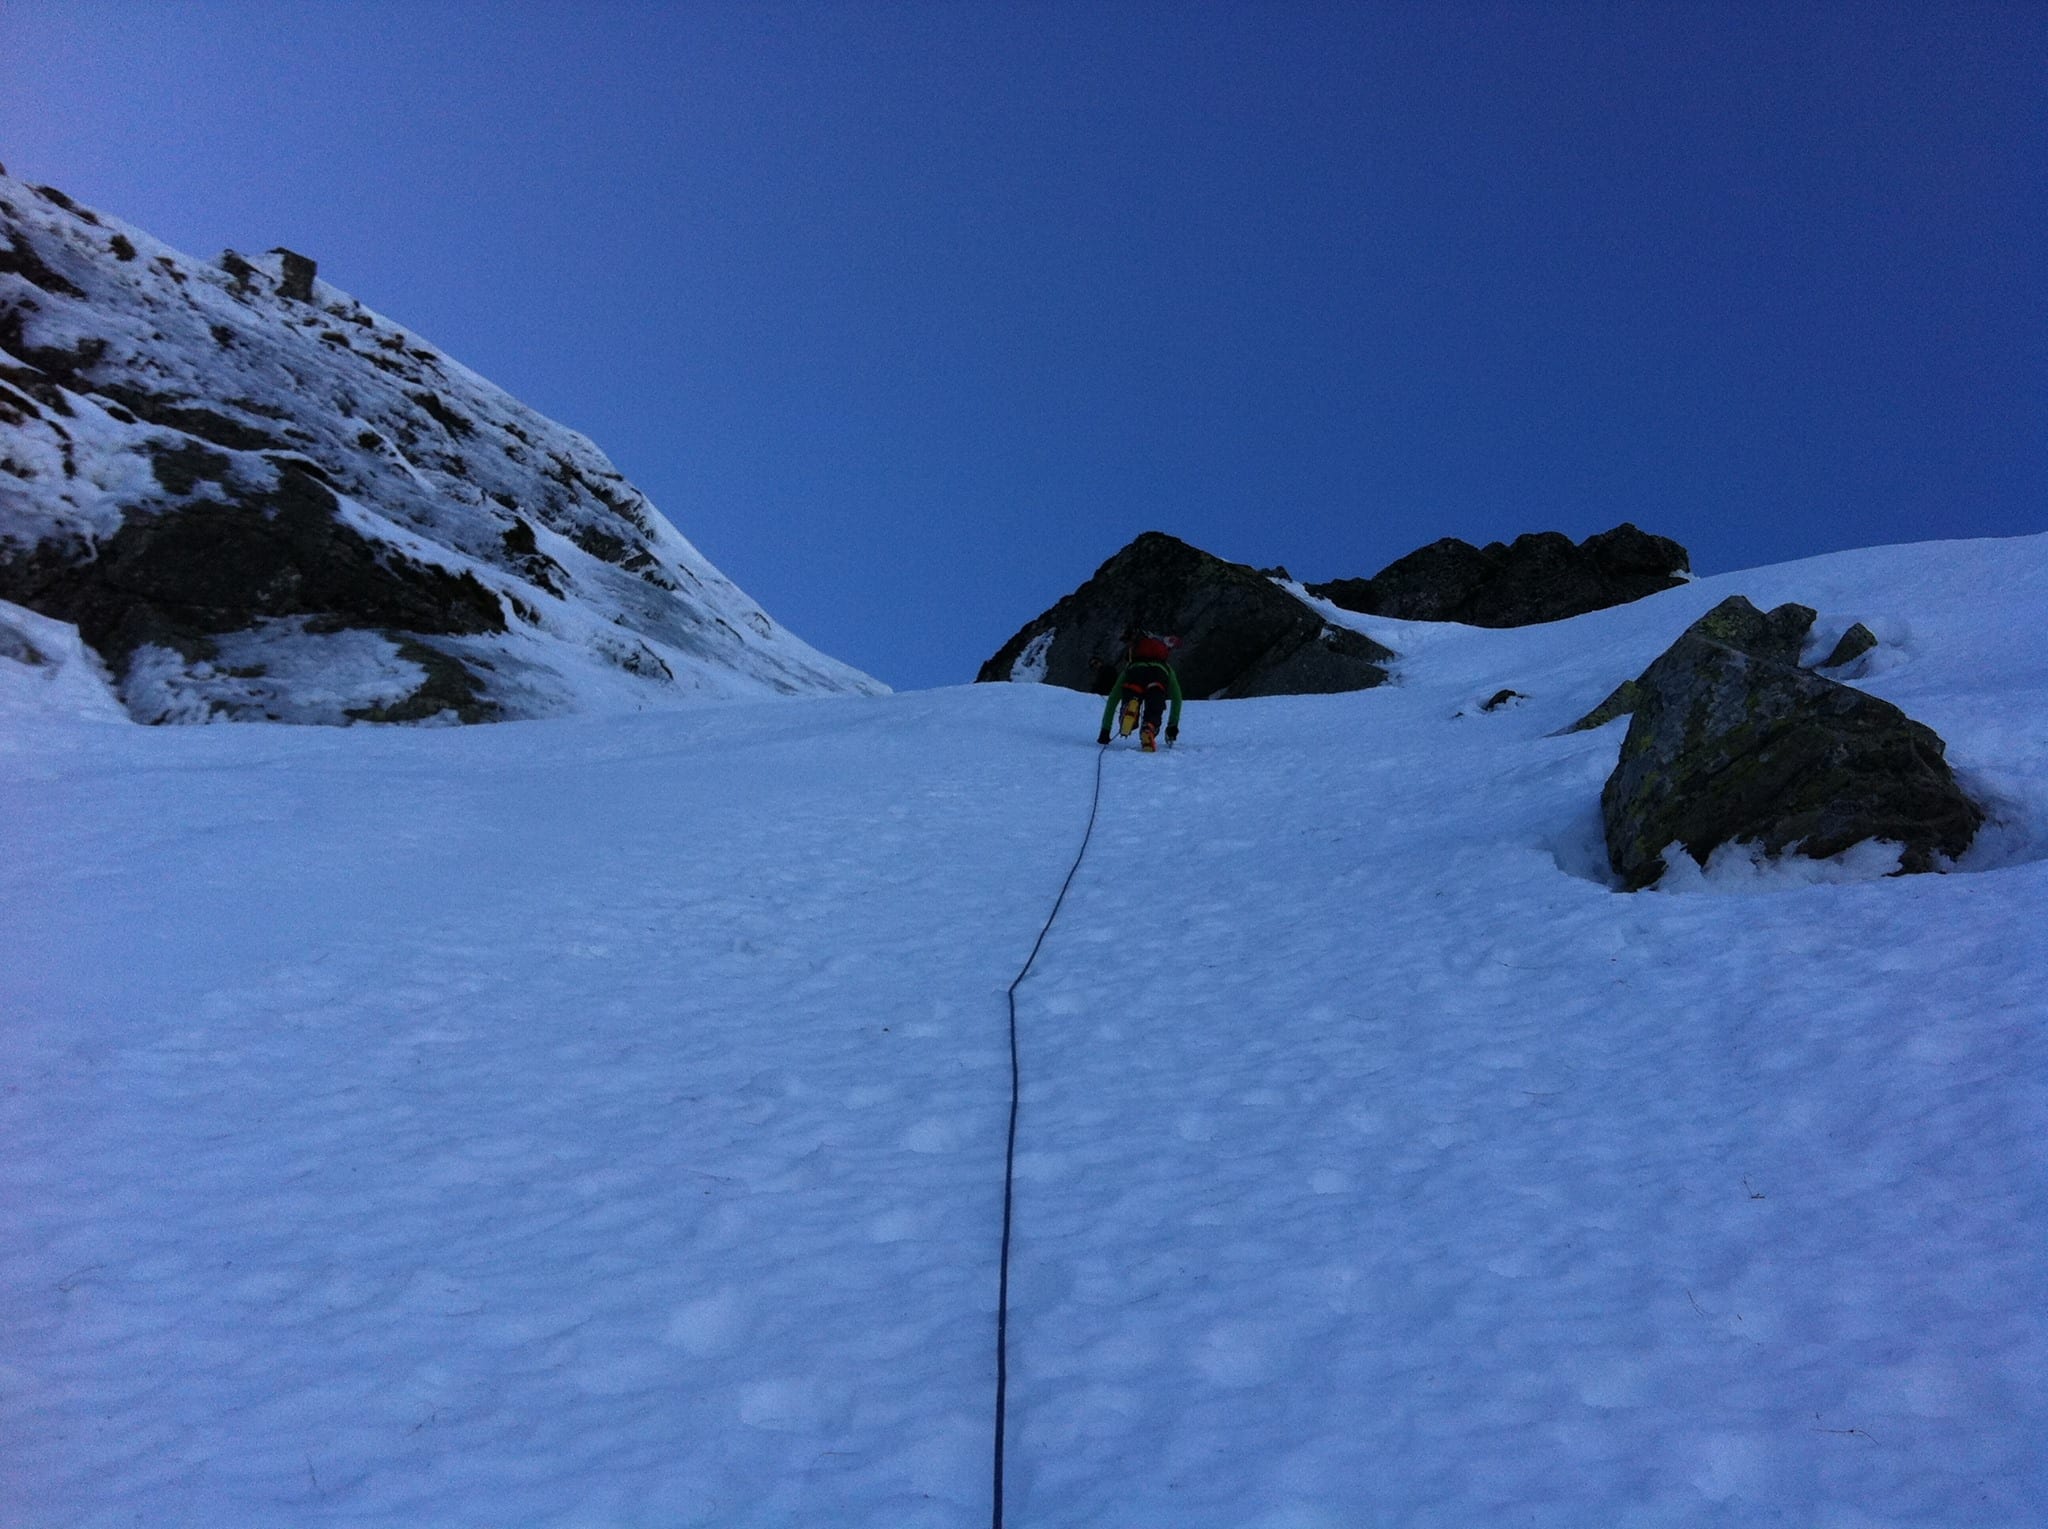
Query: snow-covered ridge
{"type": "Point", "coordinates": [137, 383]}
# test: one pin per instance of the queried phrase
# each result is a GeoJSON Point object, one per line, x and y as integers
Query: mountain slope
{"type": "Point", "coordinates": [1378, 1162]}
{"type": "Point", "coordinates": [257, 498]}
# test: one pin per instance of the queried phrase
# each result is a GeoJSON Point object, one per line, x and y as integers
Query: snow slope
{"type": "Point", "coordinates": [46, 672]}
{"type": "Point", "coordinates": [126, 368]}
{"type": "Point", "coordinates": [601, 1124]}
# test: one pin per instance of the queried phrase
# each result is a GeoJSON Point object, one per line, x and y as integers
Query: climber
{"type": "Point", "coordinates": [1140, 694]}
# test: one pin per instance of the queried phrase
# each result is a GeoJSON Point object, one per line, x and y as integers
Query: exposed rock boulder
{"type": "Point", "coordinates": [256, 499]}
{"type": "Point", "coordinates": [1774, 636]}
{"type": "Point", "coordinates": [1777, 636]}
{"type": "Point", "coordinates": [1432, 583]}
{"type": "Point", "coordinates": [1241, 634]}
{"type": "Point", "coordinates": [1849, 647]}
{"type": "Point", "coordinates": [1731, 741]}
{"type": "Point", "coordinates": [1538, 577]}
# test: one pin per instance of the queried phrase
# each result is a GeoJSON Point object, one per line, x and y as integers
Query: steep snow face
{"type": "Point", "coordinates": [257, 498]}
{"type": "Point", "coordinates": [1378, 1164]}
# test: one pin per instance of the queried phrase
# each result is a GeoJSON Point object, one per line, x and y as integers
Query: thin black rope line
{"type": "Point", "coordinates": [1010, 1151]}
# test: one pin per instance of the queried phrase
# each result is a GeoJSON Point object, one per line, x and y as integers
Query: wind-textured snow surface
{"type": "Point", "coordinates": [601, 1123]}
{"type": "Point", "coordinates": [126, 366]}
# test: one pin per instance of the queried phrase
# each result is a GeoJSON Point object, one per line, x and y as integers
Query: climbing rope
{"type": "Point", "coordinates": [1010, 1151]}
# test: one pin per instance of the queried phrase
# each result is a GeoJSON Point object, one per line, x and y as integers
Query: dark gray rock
{"type": "Point", "coordinates": [1853, 644]}
{"type": "Point", "coordinates": [22, 259]}
{"type": "Point", "coordinates": [1241, 634]}
{"type": "Point", "coordinates": [1538, 577]}
{"type": "Point", "coordinates": [1731, 741]}
{"type": "Point", "coordinates": [1777, 636]}
{"type": "Point", "coordinates": [1433, 583]}
{"type": "Point", "coordinates": [249, 551]}
{"type": "Point", "coordinates": [295, 281]}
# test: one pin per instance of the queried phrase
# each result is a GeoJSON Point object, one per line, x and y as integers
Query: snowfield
{"type": "Point", "coordinates": [600, 1122]}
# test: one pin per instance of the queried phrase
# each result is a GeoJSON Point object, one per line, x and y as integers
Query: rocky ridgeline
{"type": "Point", "coordinates": [1241, 634]}
{"type": "Point", "coordinates": [1731, 741]}
{"type": "Point", "coordinates": [1535, 578]}
{"type": "Point", "coordinates": [1244, 634]}
{"type": "Point", "coordinates": [256, 498]}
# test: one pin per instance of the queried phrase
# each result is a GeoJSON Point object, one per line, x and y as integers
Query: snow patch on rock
{"type": "Point", "coordinates": [1029, 669]}
{"type": "Point", "coordinates": [137, 382]}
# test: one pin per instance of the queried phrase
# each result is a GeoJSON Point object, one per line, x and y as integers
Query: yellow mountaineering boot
{"type": "Point", "coordinates": [1127, 717]}
{"type": "Point", "coordinates": [1148, 739]}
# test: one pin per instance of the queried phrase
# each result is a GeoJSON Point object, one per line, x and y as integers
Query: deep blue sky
{"type": "Point", "coordinates": [910, 314]}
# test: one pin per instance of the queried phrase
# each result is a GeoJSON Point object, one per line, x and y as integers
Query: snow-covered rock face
{"type": "Point", "coordinates": [257, 499]}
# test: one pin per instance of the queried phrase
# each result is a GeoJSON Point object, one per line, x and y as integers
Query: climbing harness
{"type": "Point", "coordinates": [1010, 1151]}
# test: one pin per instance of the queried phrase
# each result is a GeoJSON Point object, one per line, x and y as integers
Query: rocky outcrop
{"type": "Point", "coordinates": [1731, 741]}
{"type": "Point", "coordinates": [248, 560]}
{"type": "Point", "coordinates": [1777, 636]}
{"type": "Point", "coordinates": [256, 499]}
{"type": "Point", "coordinates": [1849, 647]}
{"type": "Point", "coordinates": [1241, 634]}
{"type": "Point", "coordinates": [1539, 577]}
